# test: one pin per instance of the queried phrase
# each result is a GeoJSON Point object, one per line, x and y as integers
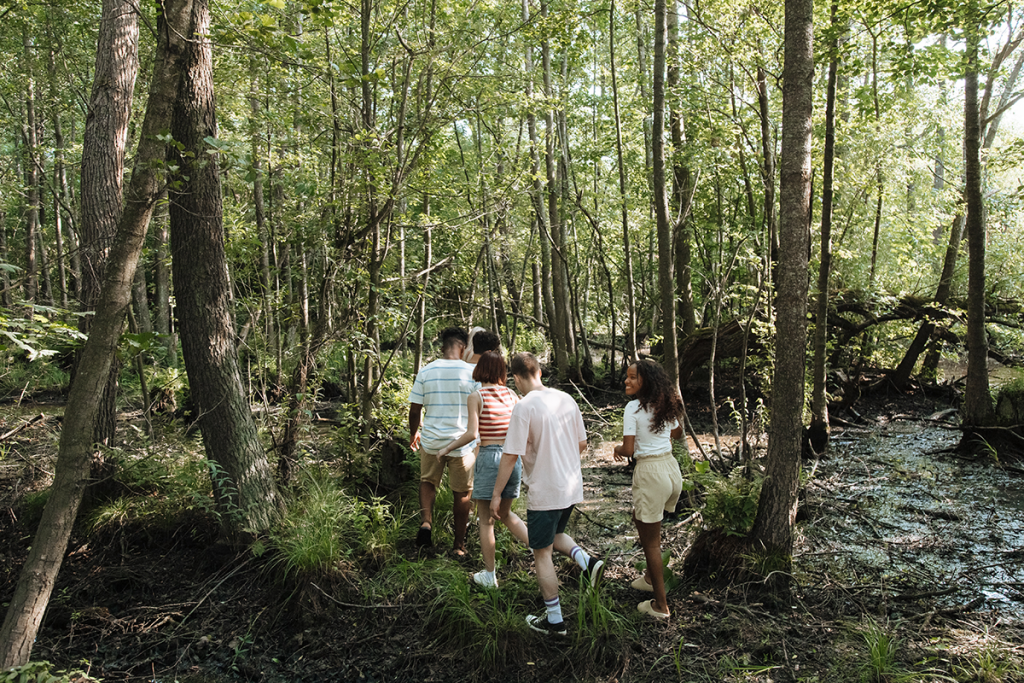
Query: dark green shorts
{"type": "Point", "coordinates": [543, 525]}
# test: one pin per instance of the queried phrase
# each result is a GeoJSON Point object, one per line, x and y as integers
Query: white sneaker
{"type": "Point", "coordinates": [485, 579]}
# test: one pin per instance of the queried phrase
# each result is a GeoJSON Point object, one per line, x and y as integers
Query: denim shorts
{"type": "Point", "coordinates": [485, 472]}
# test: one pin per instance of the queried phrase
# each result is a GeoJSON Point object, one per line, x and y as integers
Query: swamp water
{"type": "Point", "coordinates": [894, 509]}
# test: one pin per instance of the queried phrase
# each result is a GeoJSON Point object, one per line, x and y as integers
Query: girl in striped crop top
{"type": "Point", "coordinates": [490, 409]}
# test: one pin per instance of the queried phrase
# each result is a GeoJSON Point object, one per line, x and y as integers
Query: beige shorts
{"type": "Point", "coordinates": [460, 470]}
{"type": "Point", "coordinates": [657, 484]}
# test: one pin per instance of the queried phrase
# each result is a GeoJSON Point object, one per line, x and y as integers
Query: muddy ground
{"type": "Point", "coordinates": [898, 536]}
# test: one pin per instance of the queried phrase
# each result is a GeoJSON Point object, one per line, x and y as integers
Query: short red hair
{"type": "Point", "coordinates": [491, 368]}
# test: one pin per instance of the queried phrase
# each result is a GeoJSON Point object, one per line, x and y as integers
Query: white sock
{"type": "Point", "coordinates": [580, 555]}
{"type": "Point", "coordinates": [554, 608]}
{"type": "Point", "coordinates": [487, 576]}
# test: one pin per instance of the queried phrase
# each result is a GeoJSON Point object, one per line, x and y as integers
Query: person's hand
{"type": "Point", "coordinates": [619, 456]}
{"type": "Point", "coordinates": [414, 445]}
{"type": "Point", "coordinates": [495, 506]}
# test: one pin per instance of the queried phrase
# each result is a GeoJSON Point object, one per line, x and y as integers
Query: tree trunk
{"type": "Point", "coordinates": [561, 320]}
{"type": "Point", "coordinates": [666, 265]}
{"type": "Point", "coordinates": [977, 403]}
{"type": "Point", "coordinates": [818, 432]}
{"type": "Point", "coordinates": [242, 479]}
{"type": "Point", "coordinates": [103, 152]}
{"type": "Point", "coordinates": [36, 581]}
{"type": "Point", "coordinates": [537, 192]}
{"type": "Point", "coordinates": [776, 513]}
{"type": "Point", "coordinates": [627, 251]}
{"type": "Point", "coordinates": [30, 138]}
{"type": "Point", "coordinates": [682, 186]}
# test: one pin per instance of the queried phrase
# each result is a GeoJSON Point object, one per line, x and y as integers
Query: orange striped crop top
{"type": "Point", "coordinates": [496, 412]}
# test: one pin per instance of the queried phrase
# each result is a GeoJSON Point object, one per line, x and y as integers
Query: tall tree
{"type": "Point", "coordinates": [977, 404]}
{"type": "Point", "coordinates": [776, 512]}
{"type": "Point", "coordinates": [666, 262]}
{"type": "Point", "coordinates": [103, 152]}
{"type": "Point", "coordinates": [818, 431]}
{"type": "Point", "coordinates": [243, 483]}
{"type": "Point", "coordinates": [35, 584]}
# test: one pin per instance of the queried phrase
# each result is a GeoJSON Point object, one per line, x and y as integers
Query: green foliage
{"type": "Point", "coordinates": [881, 645]}
{"type": "Point", "coordinates": [597, 622]}
{"type": "Point", "coordinates": [43, 672]}
{"type": "Point", "coordinates": [991, 664]}
{"type": "Point", "coordinates": [324, 525]}
{"type": "Point", "coordinates": [158, 484]}
{"type": "Point", "coordinates": [42, 334]}
{"type": "Point", "coordinates": [487, 622]}
{"type": "Point", "coordinates": [730, 503]}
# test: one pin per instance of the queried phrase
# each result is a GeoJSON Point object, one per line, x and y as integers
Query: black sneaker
{"type": "Point", "coordinates": [540, 624]}
{"type": "Point", "coordinates": [595, 570]}
{"type": "Point", "coordinates": [423, 537]}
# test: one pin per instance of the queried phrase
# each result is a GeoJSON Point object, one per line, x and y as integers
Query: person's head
{"type": "Point", "coordinates": [647, 382]}
{"type": "Point", "coordinates": [491, 368]}
{"type": "Point", "coordinates": [525, 365]}
{"type": "Point", "coordinates": [484, 341]}
{"type": "Point", "coordinates": [452, 337]}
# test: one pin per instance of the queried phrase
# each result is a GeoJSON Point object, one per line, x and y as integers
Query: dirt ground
{"type": "Point", "coordinates": [882, 548]}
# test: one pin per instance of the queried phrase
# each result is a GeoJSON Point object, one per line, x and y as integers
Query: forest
{"type": "Point", "coordinates": [231, 234]}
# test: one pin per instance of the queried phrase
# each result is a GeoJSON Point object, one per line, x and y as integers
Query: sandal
{"type": "Point", "coordinates": [647, 607]}
{"type": "Point", "coordinates": [641, 584]}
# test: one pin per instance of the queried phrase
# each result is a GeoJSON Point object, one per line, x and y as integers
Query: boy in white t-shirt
{"type": "Point", "coordinates": [546, 430]}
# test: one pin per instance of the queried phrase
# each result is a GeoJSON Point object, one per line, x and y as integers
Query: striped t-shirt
{"type": "Point", "coordinates": [442, 388]}
{"type": "Point", "coordinates": [497, 409]}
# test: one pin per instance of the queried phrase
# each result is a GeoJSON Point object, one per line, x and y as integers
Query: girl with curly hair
{"type": "Point", "coordinates": [650, 422]}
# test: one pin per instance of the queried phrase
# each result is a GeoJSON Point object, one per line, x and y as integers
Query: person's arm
{"type": "Point", "coordinates": [624, 451]}
{"type": "Point", "coordinates": [677, 432]}
{"type": "Point", "coordinates": [474, 404]}
{"type": "Point", "coordinates": [627, 448]}
{"type": "Point", "coordinates": [415, 413]}
{"type": "Point", "coordinates": [505, 468]}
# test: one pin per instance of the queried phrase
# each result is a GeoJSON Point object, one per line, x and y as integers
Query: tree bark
{"type": "Point", "coordinates": [103, 152]}
{"type": "Point", "coordinates": [243, 483]}
{"type": "Point", "coordinates": [818, 432]}
{"type": "Point", "coordinates": [627, 251]}
{"type": "Point", "coordinates": [25, 613]}
{"type": "Point", "coordinates": [30, 139]}
{"type": "Point", "coordinates": [977, 402]}
{"type": "Point", "coordinates": [666, 265]}
{"type": "Point", "coordinates": [776, 513]}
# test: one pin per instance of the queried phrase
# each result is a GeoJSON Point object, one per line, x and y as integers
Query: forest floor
{"type": "Point", "coordinates": [909, 566]}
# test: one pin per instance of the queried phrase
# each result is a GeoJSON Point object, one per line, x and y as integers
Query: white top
{"type": "Point", "coordinates": [546, 429]}
{"type": "Point", "coordinates": [637, 422]}
{"type": "Point", "coordinates": [442, 388]}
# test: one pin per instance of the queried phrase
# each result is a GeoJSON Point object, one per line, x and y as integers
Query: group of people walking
{"type": "Point", "coordinates": [463, 418]}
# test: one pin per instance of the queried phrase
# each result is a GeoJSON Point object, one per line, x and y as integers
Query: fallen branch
{"type": "Point", "coordinates": [22, 427]}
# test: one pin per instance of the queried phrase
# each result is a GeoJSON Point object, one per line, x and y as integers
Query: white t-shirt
{"type": "Point", "coordinates": [442, 388]}
{"type": "Point", "coordinates": [545, 430]}
{"type": "Point", "coordinates": [636, 422]}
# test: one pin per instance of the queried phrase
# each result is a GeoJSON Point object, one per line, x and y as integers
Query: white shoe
{"type": "Point", "coordinates": [485, 579]}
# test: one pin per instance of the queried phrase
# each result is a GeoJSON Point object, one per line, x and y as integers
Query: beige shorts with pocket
{"type": "Point", "coordinates": [657, 484]}
{"type": "Point", "coordinates": [460, 470]}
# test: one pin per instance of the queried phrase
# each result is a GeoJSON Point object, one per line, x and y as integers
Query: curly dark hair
{"type": "Point", "coordinates": [657, 395]}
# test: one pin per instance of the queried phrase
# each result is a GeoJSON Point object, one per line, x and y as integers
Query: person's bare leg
{"type": "Point", "coordinates": [650, 541]}
{"type": "Point", "coordinates": [461, 507]}
{"type": "Point", "coordinates": [512, 521]}
{"type": "Point", "coordinates": [564, 544]}
{"type": "Point", "coordinates": [483, 513]}
{"type": "Point", "coordinates": [427, 495]}
{"type": "Point", "coordinates": [547, 579]}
